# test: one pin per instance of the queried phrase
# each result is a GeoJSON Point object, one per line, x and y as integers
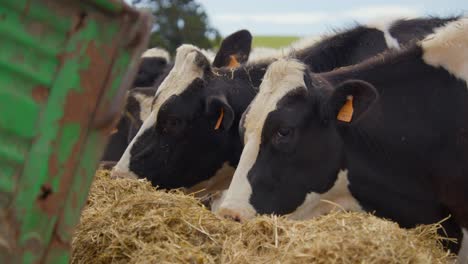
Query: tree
{"type": "Point", "coordinates": [178, 22]}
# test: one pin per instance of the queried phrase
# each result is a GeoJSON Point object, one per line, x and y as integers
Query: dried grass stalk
{"type": "Point", "coordinates": [128, 221]}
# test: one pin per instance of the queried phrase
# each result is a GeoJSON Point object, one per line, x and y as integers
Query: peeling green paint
{"type": "Point", "coordinates": [46, 67]}
{"type": "Point", "coordinates": [121, 63]}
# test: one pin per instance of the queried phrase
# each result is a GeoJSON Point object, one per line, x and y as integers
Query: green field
{"type": "Point", "coordinates": [273, 41]}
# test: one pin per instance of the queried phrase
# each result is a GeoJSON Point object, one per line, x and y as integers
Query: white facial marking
{"type": "Point", "coordinates": [156, 52]}
{"type": "Point", "coordinates": [385, 25]}
{"type": "Point", "coordinates": [184, 72]}
{"type": "Point", "coordinates": [316, 204]}
{"type": "Point", "coordinates": [463, 253]}
{"type": "Point", "coordinates": [145, 103]}
{"type": "Point", "coordinates": [447, 47]}
{"type": "Point", "coordinates": [280, 78]}
{"type": "Point", "coordinates": [217, 200]}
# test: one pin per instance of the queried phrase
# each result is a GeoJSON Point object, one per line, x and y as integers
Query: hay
{"type": "Point", "coordinates": [128, 221]}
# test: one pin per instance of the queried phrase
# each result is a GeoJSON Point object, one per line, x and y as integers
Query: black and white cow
{"type": "Point", "coordinates": [154, 66]}
{"type": "Point", "coordinates": [153, 63]}
{"type": "Point", "coordinates": [139, 99]}
{"type": "Point", "coordinates": [136, 110]}
{"type": "Point", "coordinates": [192, 140]}
{"type": "Point", "coordinates": [388, 135]}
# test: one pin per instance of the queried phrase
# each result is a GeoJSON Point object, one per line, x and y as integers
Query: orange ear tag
{"type": "Point", "coordinates": [220, 119]}
{"type": "Point", "coordinates": [115, 130]}
{"type": "Point", "coordinates": [346, 112]}
{"type": "Point", "coordinates": [233, 63]}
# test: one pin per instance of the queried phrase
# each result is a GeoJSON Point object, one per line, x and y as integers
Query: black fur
{"type": "Point", "coordinates": [404, 148]}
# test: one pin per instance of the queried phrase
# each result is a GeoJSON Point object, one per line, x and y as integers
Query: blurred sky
{"type": "Point", "coordinates": [309, 17]}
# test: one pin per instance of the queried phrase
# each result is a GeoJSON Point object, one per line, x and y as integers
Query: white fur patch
{"type": "Point", "coordinates": [280, 78]}
{"type": "Point", "coordinates": [447, 47]}
{"type": "Point", "coordinates": [463, 253]}
{"type": "Point", "coordinates": [145, 103]}
{"type": "Point", "coordinates": [384, 25]}
{"type": "Point", "coordinates": [184, 72]}
{"type": "Point", "coordinates": [156, 52]}
{"type": "Point", "coordinates": [316, 204]}
{"type": "Point", "coordinates": [216, 202]}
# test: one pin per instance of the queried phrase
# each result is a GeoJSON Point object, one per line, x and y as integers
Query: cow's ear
{"type": "Point", "coordinates": [234, 49]}
{"type": "Point", "coordinates": [350, 100]}
{"type": "Point", "coordinates": [219, 112]}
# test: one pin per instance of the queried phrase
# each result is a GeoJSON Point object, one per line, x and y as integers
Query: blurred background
{"type": "Point", "coordinates": [275, 23]}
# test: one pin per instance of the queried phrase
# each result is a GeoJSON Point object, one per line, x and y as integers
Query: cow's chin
{"type": "Point", "coordinates": [236, 213]}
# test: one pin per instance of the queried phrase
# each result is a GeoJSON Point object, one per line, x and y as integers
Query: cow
{"type": "Point", "coordinates": [139, 99]}
{"type": "Point", "coordinates": [191, 140]}
{"type": "Point", "coordinates": [388, 135]}
{"type": "Point", "coordinates": [154, 66]}
{"type": "Point", "coordinates": [153, 63]}
{"type": "Point", "coordinates": [136, 110]}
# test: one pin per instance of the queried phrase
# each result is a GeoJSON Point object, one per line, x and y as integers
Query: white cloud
{"type": "Point", "coordinates": [372, 12]}
{"type": "Point", "coordinates": [361, 14]}
{"type": "Point", "coordinates": [274, 18]}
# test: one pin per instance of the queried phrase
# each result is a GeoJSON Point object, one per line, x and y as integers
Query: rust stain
{"type": "Point", "coordinates": [92, 80]}
{"type": "Point", "coordinates": [80, 21]}
{"type": "Point", "coordinates": [18, 58]}
{"type": "Point", "coordinates": [26, 8]}
{"type": "Point", "coordinates": [56, 242]}
{"type": "Point", "coordinates": [79, 109]}
{"type": "Point", "coordinates": [37, 28]}
{"type": "Point", "coordinates": [40, 94]}
{"type": "Point", "coordinates": [109, 112]}
{"type": "Point", "coordinates": [48, 200]}
{"type": "Point", "coordinates": [53, 163]}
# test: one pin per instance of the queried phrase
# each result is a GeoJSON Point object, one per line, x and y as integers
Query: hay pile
{"type": "Point", "coordinates": [127, 221]}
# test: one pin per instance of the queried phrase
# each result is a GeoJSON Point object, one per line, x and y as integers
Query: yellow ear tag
{"type": "Point", "coordinates": [233, 63]}
{"type": "Point", "coordinates": [220, 119]}
{"type": "Point", "coordinates": [115, 130]}
{"type": "Point", "coordinates": [346, 112]}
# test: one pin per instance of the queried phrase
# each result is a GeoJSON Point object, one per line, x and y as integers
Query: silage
{"type": "Point", "coordinates": [128, 221]}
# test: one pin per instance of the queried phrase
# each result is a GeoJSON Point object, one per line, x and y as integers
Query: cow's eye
{"type": "Point", "coordinates": [283, 136]}
{"type": "Point", "coordinates": [172, 125]}
{"type": "Point", "coordinates": [283, 132]}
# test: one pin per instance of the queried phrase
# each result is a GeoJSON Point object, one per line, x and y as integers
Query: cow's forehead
{"type": "Point", "coordinates": [156, 52]}
{"type": "Point", "coordinates": [187, 68]}
{"type": "Point", "coordinates": [281, 77]}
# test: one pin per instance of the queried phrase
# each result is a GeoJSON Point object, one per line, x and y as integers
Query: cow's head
{"type": "Point", "coordinates": [185, 140]}
{"type": "Point", "coordinates": [293, 153]}
{"type": "Point", "coordinates": [136, 109]}
{"type": "Point", "coordinates": [153, 63]}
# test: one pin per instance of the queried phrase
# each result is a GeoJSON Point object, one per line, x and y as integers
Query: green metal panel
{"type": "Point", "coordinates": [64, 69]}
